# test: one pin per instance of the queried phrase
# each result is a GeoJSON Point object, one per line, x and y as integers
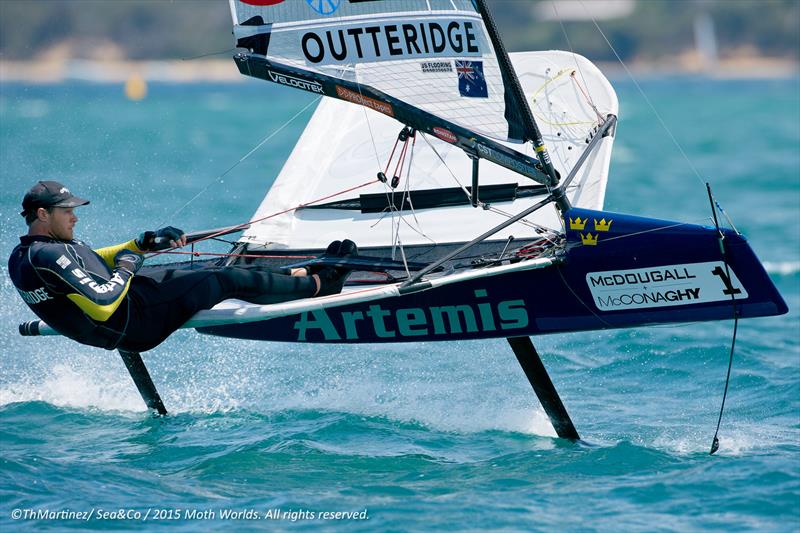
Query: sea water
{"type": "Point", "coordinates": [411, 437]}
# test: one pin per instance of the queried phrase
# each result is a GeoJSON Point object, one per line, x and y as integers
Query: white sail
{"type": "Point", "coordinates": [346, 145]}
{"type": "Point", "coordinates": [434, 55]}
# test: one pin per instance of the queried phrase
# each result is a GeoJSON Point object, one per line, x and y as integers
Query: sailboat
{"type": "Point", "coordinates": [473, 181]}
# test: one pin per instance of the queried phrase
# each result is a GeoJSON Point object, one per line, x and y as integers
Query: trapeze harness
{"type": "Point", "coordinates": [78, 292]}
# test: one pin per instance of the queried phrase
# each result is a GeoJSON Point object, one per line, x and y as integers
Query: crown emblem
{"type": "Point", "coordinates": [589, 239]}
{"type": "Point", "coordinates": [577, 223]}
{"type": "Point", "coordinates": [602, 225]}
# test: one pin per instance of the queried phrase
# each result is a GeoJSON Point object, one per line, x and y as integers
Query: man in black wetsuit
{"type": "Point", "coordinates": [96, 298]}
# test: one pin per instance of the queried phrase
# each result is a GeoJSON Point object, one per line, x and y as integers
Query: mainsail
{"type": "Point", "coordinates": [426, 63]}
{"type": "Point", "coordinates": [438, 67]}
{"type": "Point", "coordinates": [344, 146]}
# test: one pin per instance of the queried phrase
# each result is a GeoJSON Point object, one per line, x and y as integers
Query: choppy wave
{"type": "Point", "coordinates": [65, 386]}
{"type": "Point", "coordinates": [782, 268]}
{"type": "Point", "coordinates": [427, 437]}
{"type": "Point", "coordinates": [236, 376]}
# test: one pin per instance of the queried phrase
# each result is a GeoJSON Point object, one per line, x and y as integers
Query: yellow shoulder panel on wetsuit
{"type": "Point", "coordinates": [108, 252]}
{"type": "Point", "coordinates": [101, 313]}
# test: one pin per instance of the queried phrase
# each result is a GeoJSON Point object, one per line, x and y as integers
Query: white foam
{"type": "Point", "coordinates": [782, 268]}
{"type": "Point", "coordinates": [462, 388]}
{"type": "Point", "coordinates": [739, 438]}
{"type": "Point", "coordinates": [454, 389]}
{"type": "Point", "coordinates": [67, 386]}
{"type": "Point", "coordinates": [438, 406]}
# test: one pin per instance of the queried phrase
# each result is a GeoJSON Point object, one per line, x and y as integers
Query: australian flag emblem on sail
{"type": "Point", "coordinates": [471, 82]}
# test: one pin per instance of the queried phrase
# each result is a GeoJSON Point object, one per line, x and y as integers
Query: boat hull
{"type": "Point", "coordinates": [618, 271]}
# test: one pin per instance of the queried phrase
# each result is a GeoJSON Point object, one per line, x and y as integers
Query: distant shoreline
{"type": "Point", "coordinates": [224, 70]}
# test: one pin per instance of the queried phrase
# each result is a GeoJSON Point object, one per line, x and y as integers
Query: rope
{"type": "Point", "coordinates": [209, 54]}
{"type": "Point", "coordinates": [482, 204]}
{"type": "Point", "coordinates": [412, 139]}
{"type": "Point", "coordinates": [240, 161]}
{"type": "Point", "coordinates": [253, 256]}
{"type": "Point", "coordinates": [548, 82]}
{"type": "Point", "coordinates": [406, 151]}
{"type": "Point", "coordinates": [366, 119]}
{"type": "Point", "coordinates": [390, 200]}
{"type": "Point", "coordinates": [391, 156]}
{"type": "Point", "coordinates": [715, 441]}
{"type": "Point", "coordinates": [435, 151]}
{"type": "Point", "coordinates": [406, 189]}
{"type": "Point", "coordinates": [646, 99]}
{"type": "Point", "coordinates": [256, 220]}
{"type": "Point", "coordinates": [574, 57]}
{"type": "Point", "coordinates": [586, 95]}
{"type": "Point", "coordinates": [377, 157]}
{"type": "Point", "coordinates": [525, 222]}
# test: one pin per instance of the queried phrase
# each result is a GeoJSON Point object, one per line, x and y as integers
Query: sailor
{"type": "Point", "coordinates": [97, 297]}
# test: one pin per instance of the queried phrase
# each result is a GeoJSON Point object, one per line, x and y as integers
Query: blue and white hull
{"type": "Point", "coordinates": [615, 271]}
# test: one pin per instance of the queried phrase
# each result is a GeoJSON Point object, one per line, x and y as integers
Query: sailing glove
{"type": "Point", "coordinates": [154, 241]}
{"type": "Point", "coordinates": [128, 260]}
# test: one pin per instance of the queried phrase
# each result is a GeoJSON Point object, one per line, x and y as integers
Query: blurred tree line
{"type": "Point", "coordinates": [156, 29]}
{"type": "Point", "coordinates": [658, 28]}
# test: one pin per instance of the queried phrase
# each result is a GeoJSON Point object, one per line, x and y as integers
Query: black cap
{"type": "Point", "coordinates": [49, 194]}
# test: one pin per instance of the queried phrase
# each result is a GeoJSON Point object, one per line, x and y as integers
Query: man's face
{"type": "Point", "coordinates": [60, 222]}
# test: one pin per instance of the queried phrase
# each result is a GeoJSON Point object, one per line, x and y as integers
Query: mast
{"type": "Point", "coordinates": [515, 96]}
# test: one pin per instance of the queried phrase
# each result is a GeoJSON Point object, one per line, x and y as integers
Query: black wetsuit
{"type": "Point", "coordinates": [78, 292]}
